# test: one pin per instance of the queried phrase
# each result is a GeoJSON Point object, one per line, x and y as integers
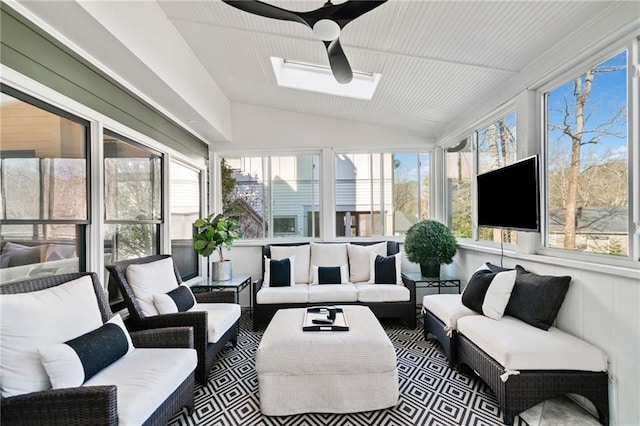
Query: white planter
{"type": "Point", "coordinates": [221, 271]}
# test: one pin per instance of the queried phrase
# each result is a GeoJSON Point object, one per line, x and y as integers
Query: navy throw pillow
{"type": "Point", "coordinates": [476, 289]}
{"type": "Point", "coordinates": [385, 270]}
{"type": "Point", "coordinates": [280, 273]}
{"type": "Point", "coordinates": [182, 297]}
{"type": "Point", "coordinates": [329, 275]}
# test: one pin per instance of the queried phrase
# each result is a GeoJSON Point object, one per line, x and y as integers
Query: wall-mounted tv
{"type": "Point", "coordinates": [509, 197]}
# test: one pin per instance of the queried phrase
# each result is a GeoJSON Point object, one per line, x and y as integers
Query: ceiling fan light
{"type": "Point", "coordinates": [326, 29]}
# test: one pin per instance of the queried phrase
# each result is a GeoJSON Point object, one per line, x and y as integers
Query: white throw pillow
{"type": "Point", "coordinates": [266, 282]}
{"type": "Point", "coordinates": [302, 254]}
{"type": "Point", "coordinates": [180, 299]}
{"type": "Point", "coordinates": [328, 254]}
{"type": "Point", "coordinates": [344, 278]}
{"type": "Point", "coordinates": [498, 294]}
{"type": "Point", "coordinates": [360, 260]}
{"type": "Point", "coordinates": [147, 279]}
{"type": "Point", "coordinates": [39, 318]}
{"type": "Point", "coordinates": [68, 364]}
{"type": "Point", "coordinates": [387, 268]}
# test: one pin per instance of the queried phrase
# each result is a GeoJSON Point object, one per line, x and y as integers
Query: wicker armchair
{"type": "Point", "coordinates": [93, 405]}
{"type": "Point", "coordinates": [207, 351]}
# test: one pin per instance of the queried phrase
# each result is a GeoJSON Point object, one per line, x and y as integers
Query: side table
{"type": "Point", "coordinates": [237, 284]}
{"type": "Point", "coordinates": [443, 281]}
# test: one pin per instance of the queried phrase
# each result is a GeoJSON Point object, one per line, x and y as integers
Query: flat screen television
{"type": "Point", "coordinates": [509, 197]}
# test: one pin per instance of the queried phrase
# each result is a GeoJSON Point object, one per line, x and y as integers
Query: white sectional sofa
{"type": "Point", "coordinates": [521, 356]}
{"type": "Point", "coordinates": [357, 279]}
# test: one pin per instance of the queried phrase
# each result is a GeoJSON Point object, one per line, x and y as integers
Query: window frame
{"type": "Point", "coordinates": [632, 260]}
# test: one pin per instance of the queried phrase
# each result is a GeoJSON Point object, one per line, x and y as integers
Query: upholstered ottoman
{"type": "Point", "coordinates": [441, 314]}
{"type": "Point", "coordinates": [325, 371]}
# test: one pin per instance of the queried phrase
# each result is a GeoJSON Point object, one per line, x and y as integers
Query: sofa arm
{"type": "Point", "coordinates": [256, 286]}
{"type": "Point", "coordinates": [90, 405]}
{"type": "Point", "coordinates": [216, 296]}
{"type": "Point", "coordinates": [170, 337]}
{"type": "Point", "coordinates": [411, 285]}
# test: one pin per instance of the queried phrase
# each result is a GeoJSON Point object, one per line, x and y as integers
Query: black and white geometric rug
{"type": "Point", "coordinates": [430, 392]}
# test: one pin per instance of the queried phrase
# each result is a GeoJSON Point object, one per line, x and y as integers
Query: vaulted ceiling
{"type": "Point", "coordinates": [437, 58]}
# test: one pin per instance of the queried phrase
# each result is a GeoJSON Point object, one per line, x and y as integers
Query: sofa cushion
{"type": "Point", "coordinates": [333, 293]}
{"type": "Point", "coordinates": [360, 260]}
{"type": "Point", "coordinates": [518, 346]}
{"type": "Point", "coordinates": [297, 293]}
{"type": "Point", "coordinates": [40, 318]}
{"type": "Point", "coordinates": [488, 292]}
{"type": "Point", "coordinates": [147, 279]}
{"type": "Point", "coordinates": [220, 318]}
{"type": "Point", "coordinates": [536, 299]}
{"type": "Point", "coordinates": [72, 363]}
{"type": "Point", "coordinates": [144, 379]}
{"type": "Point", "coordinates": [382, 293]}
{"type": "Point", "coordinates": [385, 269]}
{"type": "Point", "coordinates": [302, 254]}
{"type": "Point", "coordinates": [279, 273]}
{"type": "Point", "coordinates": [446, 307]}
{"type": "Point", "coordinates": [180, 299]}
{"type": "Point", "coordinates": [328, 255]}
{"type": "Point", "coordinates": [330, 274]}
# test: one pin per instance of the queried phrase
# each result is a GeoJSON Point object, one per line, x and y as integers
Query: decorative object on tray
{"type": "Point", "coordinates": [325, 318]}
{"type": "Point", "coordinates": [212, 233]}
{"type": "Point", "coordinates": [430, 243]}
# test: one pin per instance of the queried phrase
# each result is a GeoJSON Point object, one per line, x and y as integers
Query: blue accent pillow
{"type": "Point", "coordinates": [385, 270]}
{"type": "Point", "coordinates": [280, 272]}
{"type": "Point", "coordinates": [329, 275]}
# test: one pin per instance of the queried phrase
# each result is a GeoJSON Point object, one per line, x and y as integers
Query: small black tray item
{"type": "Point", "coordinates": [325, 318]}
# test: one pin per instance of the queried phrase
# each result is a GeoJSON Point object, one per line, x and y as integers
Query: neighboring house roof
{"type": "Point", "coordinates": [593, 220]}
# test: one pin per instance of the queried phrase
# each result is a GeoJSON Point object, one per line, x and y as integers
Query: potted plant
{"type": "Point", "coordinates": [430, 243]}
{"type": "Point", "coordinates": [213, 233]}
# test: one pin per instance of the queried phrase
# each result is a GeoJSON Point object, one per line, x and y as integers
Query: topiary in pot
{"type": "Point", "coordinates": [430, 243]}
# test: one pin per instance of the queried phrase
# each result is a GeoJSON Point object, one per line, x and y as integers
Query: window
{"type": "Point", "coordinates": [380, 194]}
{"type": "Point", "coordinates": [496, 148]}
{"type": "Point", "coordinates": [587, 163]}
{"type": "Point", "coordinates": [184, 194]}
{"type": "Point", "coordinates": [459, 169]}
{"type": "Point", "coordinates": [275, 196]}
{"type": "Point", "coordinates": [43, 188]}
{"type": "Point", "coordinates": [133, 200]}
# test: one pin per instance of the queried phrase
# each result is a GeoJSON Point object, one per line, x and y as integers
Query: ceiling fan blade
{"type": "Point", "coordinates": [338, 61]}
{"type": "Point", "coordinates": [350, 10]}
{"type": "Point", "coordinates": [267, 10]}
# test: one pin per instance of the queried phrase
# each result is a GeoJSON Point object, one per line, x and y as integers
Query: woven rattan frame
{"type": "Point", "coordinates": [91, 405]}
{"type": "Point", "coordinates": [262, 313]}
{"type": "Point", "coordinates": [207, 352]}
{"type": "Point", "coordinates": [532, 387]}
{"type": "Point", "coordinates": [435, 327]}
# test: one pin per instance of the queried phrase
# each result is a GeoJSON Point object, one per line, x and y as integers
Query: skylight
{"type": "Point", "coordinates": [318, 78]}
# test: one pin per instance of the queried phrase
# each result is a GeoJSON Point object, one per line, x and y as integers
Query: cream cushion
{"type": "Point", "coordinates": [360, 261]}
{"type": "Point", "coordinates": [144, 379]}
{"type": "Point", "coordinates": [333, 293]}
{"type": "Point", "coordinates": [147, 279]}
{"type": "Point", "coordinates": [328, 255]}
{"type": "Point", "coordinates": [221, 317]}
{"type": "Point", "coordinates": [448, 308]}
{"type": "Point", "coordinates": [296, 293]}
{"type": "Point", "coordinates": [42, 318]}
{"type": "Point", "coordinates": [382, 292]}
{"type": "Point", "coordinates": [302, 255]}
{"type": "Point", "coordinates": [518, 346]}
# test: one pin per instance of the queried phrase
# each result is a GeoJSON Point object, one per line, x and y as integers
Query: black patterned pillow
{"type": "Point", "coordinates": [72, 363]}
{"type": "Point", "coordinates": [536, 299]}
{"type": "Point", "coordinates": [180, 299]}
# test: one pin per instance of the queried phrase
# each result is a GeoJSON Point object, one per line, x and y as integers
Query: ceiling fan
{"type": "Point", "coordinates": [326, 23]}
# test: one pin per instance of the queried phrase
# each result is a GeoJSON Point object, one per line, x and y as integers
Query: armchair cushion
{"type": "Point", "coordinates": [147, 279]}
{"type": "Point", "coordinates": [39, 318]}
{"type": "Point", "coordinates": [72, 363]}
{"type": "Point", "coordinates": [221, 317]}
{"type": "Point", "coordinates": [179, 299]}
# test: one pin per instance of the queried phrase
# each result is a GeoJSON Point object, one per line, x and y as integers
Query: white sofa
{"type": "Point", "coordinates": [393, 297]}
{"type": "Point", "coordinates": [520, 356]}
